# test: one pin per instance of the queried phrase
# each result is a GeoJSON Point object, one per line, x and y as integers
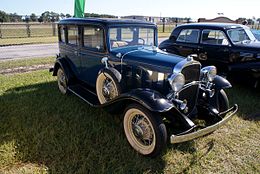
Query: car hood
{"type": "Point", "coordinates": [149, 57]}
{"type": "Point", "coordinates": [252, 45]}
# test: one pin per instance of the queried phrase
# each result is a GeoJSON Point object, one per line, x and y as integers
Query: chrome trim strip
{"type": "Point", "coordinates": [182, 64]}
{"type": "Point", "coordinates": [205, 131]}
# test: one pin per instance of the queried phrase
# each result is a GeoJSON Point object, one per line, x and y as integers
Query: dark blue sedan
{"type": "Point", "coordinates": [116, 65]}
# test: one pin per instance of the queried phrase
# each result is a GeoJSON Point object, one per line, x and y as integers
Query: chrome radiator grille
{"type": "Point", "coordinates": [190, 94]}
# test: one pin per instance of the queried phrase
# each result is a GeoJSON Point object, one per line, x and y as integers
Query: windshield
{"type": "Point", "coordinates": [256, 33]}
{"type": "Point", "coordinates": [131, 36]}
{"type": "Point", "coordinates": [240, 35]}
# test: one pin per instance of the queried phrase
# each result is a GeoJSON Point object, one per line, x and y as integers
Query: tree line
{"type": "Point", "coordinates": [47, 16]}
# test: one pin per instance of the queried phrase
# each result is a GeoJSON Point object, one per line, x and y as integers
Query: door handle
{"type": "Point", "coordinates": [82, 54]}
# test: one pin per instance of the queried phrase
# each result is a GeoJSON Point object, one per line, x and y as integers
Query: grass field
{"type": "Point", "coordinates": [42, 131]}
{"type": "Point", "coordinates": [17, 35]}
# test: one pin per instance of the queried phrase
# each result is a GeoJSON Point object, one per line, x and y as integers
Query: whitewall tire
{"type": "Point", "coordinates": [62, 81]}
{"type": "Point", "coordinates": [145, 132]}
{"type": "Point", "coordinates": [107, 87]}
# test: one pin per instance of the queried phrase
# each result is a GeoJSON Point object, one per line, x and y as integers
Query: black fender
{"type": "Point", "coordinates": [64, 64]}
{"type": "Point", "coordinates": [150, 99]}
{"type": "Point", "coordinates": [115, 72]}
{"type": "Point", "coordinates": [221, 83]}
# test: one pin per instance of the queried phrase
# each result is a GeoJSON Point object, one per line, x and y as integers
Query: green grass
{"type": "Point", "coordinates": [31, 40]}
{"type": "Point", "coordinates": [166, 35]}
{"type": "Point", "coordinates": [9, 64]}
{"type": "Point", "coordinates": [44, 35]}
{"type": "Point", "coordinates": [19, 31]}
{"type": "Point", "coordinates": [42, 131]}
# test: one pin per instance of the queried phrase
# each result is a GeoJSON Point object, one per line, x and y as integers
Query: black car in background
{"type": "Point", "coordinates": [232, 48]}
{"type": "Point", "coordinates": [256, 33]}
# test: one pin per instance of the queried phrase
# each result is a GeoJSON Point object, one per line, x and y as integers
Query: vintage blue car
{"type": "Point", "coordinates": [116, 65]}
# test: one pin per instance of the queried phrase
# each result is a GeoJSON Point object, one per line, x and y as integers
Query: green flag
{"type": "Point", "coordinates": [79, 8]}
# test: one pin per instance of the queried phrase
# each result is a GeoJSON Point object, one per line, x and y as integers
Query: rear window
{"type": "Point", "coordinates": [189, 36]}
{"type": "Point", "coordinates": [73, 35]}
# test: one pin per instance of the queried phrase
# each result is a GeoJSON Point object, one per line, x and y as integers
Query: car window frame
{"type": "Point", "coordinates": [224, 34]}
{"type": "Point", "coordinates": [198, 37]}
{"type": "Point", "coordinates": [155, 33]}
{"type": "Point", "coordinates": [64, 28]}
{"type": "Point", "coordinates": [78, 35]}
{"type": "Point", "coordinates": [82, 28]}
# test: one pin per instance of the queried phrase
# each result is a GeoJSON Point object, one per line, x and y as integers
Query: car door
{"type": "Point", "coordinates": [215, 48]}
{"type": "Point", "coordinates": [71, 49]}
{"type": "Point", "coordinates": [187, 42]}
{"type": "Point", "coordinates": [91, 53]}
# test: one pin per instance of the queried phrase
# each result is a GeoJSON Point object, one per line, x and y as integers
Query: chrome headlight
{"type": "Point", "coordinates": [176, 81]}
{"type": "Point", "coordinates": [208, 73]}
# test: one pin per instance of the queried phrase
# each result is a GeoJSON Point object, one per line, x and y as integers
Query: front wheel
{"type": "Point", "coordinates": [107, 86]}
{"type": "Point", "coordinates": [222, 101]}
{"type": "Point", "coordinates": [145, 132]}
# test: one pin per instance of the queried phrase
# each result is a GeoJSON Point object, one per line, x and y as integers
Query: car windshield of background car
{"type": "Point", "coordinates": [240, 35]}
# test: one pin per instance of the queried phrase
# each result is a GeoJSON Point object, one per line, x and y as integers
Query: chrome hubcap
{"type": "Point", "coordinates": [142, 130]}
{"type": "Point", "coordinates": [108, 89]}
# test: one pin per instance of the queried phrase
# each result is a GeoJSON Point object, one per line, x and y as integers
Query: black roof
{"type": "Point", "coordinates": [212, 25]}
{"type": "Point", "coordinates": [104, 21]}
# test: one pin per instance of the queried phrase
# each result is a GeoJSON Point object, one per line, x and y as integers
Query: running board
{"type": "Point", "coordinates": [85, 94]}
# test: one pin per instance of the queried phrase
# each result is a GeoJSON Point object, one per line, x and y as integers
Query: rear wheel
{"type": "Point", "coordinates": [145, 132]}
{"type": "Point", "coordinates": [62, 81]}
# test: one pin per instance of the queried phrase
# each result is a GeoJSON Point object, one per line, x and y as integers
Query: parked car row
{"type": "Point", "coordinates": [232, 48]}
{"type": "Point", "coordinates": [116, 65]}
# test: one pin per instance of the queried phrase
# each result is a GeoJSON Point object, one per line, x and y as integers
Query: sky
{"type": "Point", "coordinates": [165, 8]}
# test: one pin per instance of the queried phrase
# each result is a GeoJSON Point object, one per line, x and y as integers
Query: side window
{"type": "Point", "coordinates": [127, 34]}
{"type": "Point", "coordinates": [189, 36]}
{"type": "Point", "coordinates": [62, 34]}
{"type": "Point", "coordinates": [214, 37]}
{"type": "Point", "coordinates": [93, 37]}
{"type": "Point", "coordinates": [73, 35]}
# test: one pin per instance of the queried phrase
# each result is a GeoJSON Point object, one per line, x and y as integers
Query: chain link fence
{"type": "Point", "coordinates": [22, 30]}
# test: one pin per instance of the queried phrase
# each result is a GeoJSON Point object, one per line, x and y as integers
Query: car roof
{"type": "Point", "coordinates": [213, 25]}
{"type": "Point", "coordinates": [104, 21]}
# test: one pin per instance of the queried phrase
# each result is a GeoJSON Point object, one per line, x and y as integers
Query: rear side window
{"type": "Point", "coordinates": [93, 37]}
{"type": "Point", "coordinates": [62, 33]}
{"type": "Point", "coordinates": [214, 37]}
{"type": "Point", "coordinates": [73, 35]}
{"type": "Point", "coordinates": [189, 36]}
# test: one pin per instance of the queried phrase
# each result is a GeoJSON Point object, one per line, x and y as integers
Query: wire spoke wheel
{"type": "Point", "coordinates": [145, 133]}
{"type": "Point", "coordinates": [62, 81]}
{"type": "Point", "coordinates": [107, 88]}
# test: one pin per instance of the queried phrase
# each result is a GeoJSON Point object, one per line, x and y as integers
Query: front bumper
{"type": "Point", "coordinates": [189, 136]}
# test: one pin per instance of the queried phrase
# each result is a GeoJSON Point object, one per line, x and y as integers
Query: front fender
{"type": "Point", "coordinates": [221, 83]}
{"type": "Point", "coordinates": [150, 99]}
